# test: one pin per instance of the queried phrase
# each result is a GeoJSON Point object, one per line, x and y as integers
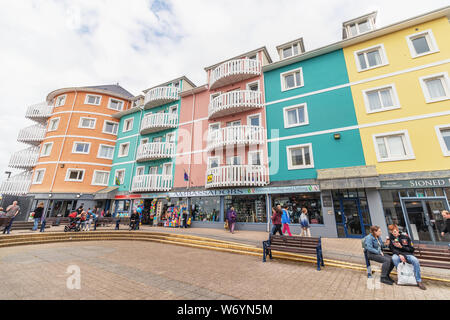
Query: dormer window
{"type": "Point", "coordinates": [291, 49]}
{"type": "Point", "coordinates": [358, 28]}
{"type": "Point", "coordinates": [359, 25]}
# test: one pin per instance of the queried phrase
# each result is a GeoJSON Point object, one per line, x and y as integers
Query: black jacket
{"type": "Point", "coordinates": [446, 228]}
{"type": "Point", "coordinates": [38, 212]}
{"type": "Point", "coordinates": [405, 241]}
{"type": "Point", "coordinates": [134, 216]}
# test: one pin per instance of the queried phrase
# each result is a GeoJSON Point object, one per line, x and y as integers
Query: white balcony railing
{"type": "Point", "coordinates": [234, 71]}
{"type": "Point", "coordinates": [39, 112]}
{"type": "Point", "coordinates": [155, 150]}
{"type": "Point", "coordinates": [237, 175]}
{"type": "Point", "coordinates": [159, 96]}
{"type": "Point", "coordinates": [158, 121]}
{"type": "Point", "coordinates": [25, 159]}
{"type": "Point", "coordinates": [236, 135]}
{"type": "Point", "coordinates": [235, 102]}
{"type": "Point", "coordinates": [17, 185]}
{"type": "Point", "coordinates": [32, 135]}
{"type": "Point", "coordinates": [151, 182]}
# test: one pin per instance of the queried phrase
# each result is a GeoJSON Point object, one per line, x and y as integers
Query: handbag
{"type": "Point", "coordinates": [226, 224]}
{"type": "Point", "coordinates": [405, 273]}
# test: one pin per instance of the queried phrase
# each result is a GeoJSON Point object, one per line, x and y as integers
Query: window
{"type": "Point", "coordinates": [173, 109]}
{"type": "Point", "coordinates": [46, 149]}
{"type": "Point", "coordinates": [370, 58]}
{"type": "Point", "coordinates": [393, 146]}
{"type": "Point", "coordinates": [76, 175]}
{"type": "Point", "coordinates": [140, 171]}
{"type": "Point", "coordinates": [60, 101]}
{"type": "Point", "coordinates": [119, 177]}
{"type": "Point", "coordinates": [290, 51]}
{"type": "Point", "coordinates": [213, 96]}
{"type": "Point", "coordinates": [100, 178]}
{"type": "Point", "coordinates": [295, 116]}
{"type": "Point", "coordinates": [300, 156]}
{"type": "Point", "coordinates": [253, 86]}
{"type": "Point", "coordinates": [234, 161]}
{"type": "Point", "coordinates": [128, 125]}
{"type": "Point", "coordinates": [110, 127]}
{"type": "Point", "coordinates": [381, 99]}
{"type": "Point", "coordinates": [422, 43]}
{"type": "Point", "coordinates": [123, 149]}
{"type": "Point", "coordinates": [93, 99]}
{"type": "Point", "coordinates": [53, 124]}
{"type": "Point", "coordinates": [87, 123]}
{"type": "Point", "coordinates": [39, 176]}
{"type": "Point", "coordinates": [105, 152]}
{"type": "Point", "coordinates": [355, 29]}
{"type": "Point", "coordinates": [253, 57]}
{"type": "Point", "coordinates": [254, 120]}
{"type": "Point", "coordinates": [144, 141]}
{"type": "Point", "coordinates": [213, 162]}
{"type": "Point", "coordinates": [167, 169]}
{"type": "Point", "coordinates": [115, 104]}
{"type": "Point", "coordinates": [255, 158]}
{"type": "Point", "coordinates": [443, 133]}
{"type": "Point", "coordinates": [170, 137]}
{"type": "Point", "coordinates": [176, 84]}
{"type": "Point", "coordinates": [153, 170]}
{"type": "Point", "coordinates": [81, 147]}
{"type": "Point", "coordinates": [435, 87]}
{"type": "Point", "coordinates": [292, 79]}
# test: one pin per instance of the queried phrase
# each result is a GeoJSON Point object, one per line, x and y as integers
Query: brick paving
{"type": "Point", "coordinates": [146, 270]}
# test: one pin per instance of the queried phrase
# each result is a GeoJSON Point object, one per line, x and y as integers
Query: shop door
{"type": "Point", "coordinates": [349, 219]}
{"type": "Point", "coordinates": [424, 219]}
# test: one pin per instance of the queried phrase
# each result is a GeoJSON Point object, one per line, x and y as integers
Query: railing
{"type": "Point", "coordinates": [17, 185]}
{"type": "Point", "coordinates": [158, 121]}
{"type": "Point", "coordinates": [236, 135]}
{"type": "Point", "coordinates": [39, 111]}
{"type": "Point", "coordinates": [25, 158]}
{"type": "Point", "coordinates": [245, 68]}
{"type": "Point", "coordinates": [33, 134]}
{"type": "Point", "coordinates": [237, 175]}
{"type": "Point", "coordinates": [155, 150]}
{"type": "Point", "coordinates": [151, 182]}
{"type": "Point", "coordinates": [160, 96]}
{"type": "Point", "coordinates": [234, 102]}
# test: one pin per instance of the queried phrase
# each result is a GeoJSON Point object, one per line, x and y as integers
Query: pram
{"type": "Point", "coordinates": [74, 225]}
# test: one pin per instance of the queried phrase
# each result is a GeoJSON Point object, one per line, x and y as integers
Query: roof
{"type": "Point", "coordinates": [168, 82]}
{"type": "Point", "coordinates": [111, 89]}
{"type": "Point", "coordinates": [116, 88]}
{"type": "Point", "coordinates": [264, 49]}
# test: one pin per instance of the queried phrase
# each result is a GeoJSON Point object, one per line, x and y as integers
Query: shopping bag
{"type": "Point", "coordinates": [226, 224]}
{"type": "Point", "coordinates": [405, 273]}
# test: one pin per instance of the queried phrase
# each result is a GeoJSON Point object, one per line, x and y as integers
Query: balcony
{"type": "Point", "coordinates": [39, 112]}
{"type": "Point", "coordinates": [159, 96]}
{"type": "Point", "coordinates": [234, 71]}
{"type": "Point", "coordinates": [155, 150]}
{"type": "Point", "coordinates": [237, 176]}
{"type": "Point", "coordinates": [236, 135]}
{"type": "Point", "coordinates": [151, 182]}
{"type": "Point", "coordinates": [33, 135]}
{"type": "Point", "coordinates": [158, 121]}
{"type": "Point", "coordinates": [25, 159]}
{"type": "Point", "coordinates": [234, 102]}
{"type": "Point", "coordinates": [17, 185]}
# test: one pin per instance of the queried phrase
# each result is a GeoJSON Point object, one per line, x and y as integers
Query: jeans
{"type": "Point", "coordinates": [43, 226]}
{"type": "Point", "coordinates": [387, 266]}
{"type": "Point", "coordinates": [277, 228]}
{"type": "Point", "coordinates": [95, 224]}
{"type": "Point", "coordinates": [36, 223]}
{"type": "Point", "coordinates": [412, 260]}
{"type": "Point", "coordinates": [8, 227]}
{"type": "Point", "coordinates": [117, 225]}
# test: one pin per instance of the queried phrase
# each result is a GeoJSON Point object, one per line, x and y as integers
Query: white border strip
{"type": "Point", "coordinates": [80, 137]}
{"type": "Point", "coordinates": [74, 162]}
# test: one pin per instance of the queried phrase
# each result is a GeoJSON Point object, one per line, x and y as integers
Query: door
{"type": "Point", "coordinates": [352, 218]}
{"type": "Point", "coordinates": [233, 132]}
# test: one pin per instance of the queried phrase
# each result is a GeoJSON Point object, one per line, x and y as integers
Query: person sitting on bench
{"type": "Point", "coordinates": [374, 246]}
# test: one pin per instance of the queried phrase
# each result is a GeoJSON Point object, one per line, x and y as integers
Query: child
{"type": "Point", "coordinates": [304, 223]}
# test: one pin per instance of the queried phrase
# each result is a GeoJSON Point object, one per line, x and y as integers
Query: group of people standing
{"type": "Point", "coordinates": [281, 221]}
{"type": "Point", "coordinates": [85, 218]}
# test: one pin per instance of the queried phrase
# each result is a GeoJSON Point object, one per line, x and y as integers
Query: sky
{"type": "Point", "coordinates": [50, 44]}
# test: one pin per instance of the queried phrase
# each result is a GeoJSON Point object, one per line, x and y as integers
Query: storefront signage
{"type": "Point", "coordinates": [416, 183]}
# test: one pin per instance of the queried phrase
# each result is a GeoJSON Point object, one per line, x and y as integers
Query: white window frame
{"type": "Point", "coordinates": [438, 128]}
{"type": "Point", "coordinates": [58, 100]}
{"type": "Point", "coordinates": [150, 170]}
{"type": "Point", "coordinates": [74, 169]}
{"type": "Point", "coordinates": [446, 85]}
{"type": "Point", "coordinates": [170, 134]}
{"type": "Point", "coordinates": [92, 95]}
{"type": "Point", "coordinates": [247, 86]}
{"type": "Point", "coordinates": [49, 129]}
{"type": "Point", "coordinates": [115, 176]}
{"type": "Point", "coordinates": [394, 97]}
{"type": "Point", "coordinates": [249, 157]}
{"type": "Point", "coordinates": [106, 145]}
{"type": "Point", "coordinates": [167, 164]}
{"type": "Point", "coordinates": [212, 158]}
{"type": "Point", "coordinates": [140, 168]}
{"type": "Point", "coordinates": [104, 127]}
{"type": "Point", "coordinates": [35, 181]}
{"type": "Point", "coordinates": [43, 148]}
{"type": "Point", "coordinates": [358, 31]}
{"type": "Point", "coordinates": [240, 161]}
{"type": "Point", "coordinates": [383, 56]}
{"type": "Point", "coordinates": [80, 124]}
{"type": "Point", "coordinates": [110, 101]}
{"type": "Point", "coordinates": [292, 47]}
{"type": "Point", "coordinates": [214, 95]}
{"type": "Point", "coordinates": [406, 143]}
{"type": "Point", "coordinates": [282, 75]}
{"type": "Point", "coordinates": [175, 106]}
{"type": "Point", "coordinates": [254, 116]}
{"type": "Point", "coordinates": [289, 157]}
{"type": "Point", "coordinates": [83, 142]}
{"type": "Point", "coordinates": [285, 118]}
{"type": "Point", "coordinates": [431, 41]}
{"type": "Point", "coordinates": [119, 154]}
{"type": "Point", "coordinates": [99, 184]}
{"type": "Point", "coordinates": [125, 124]}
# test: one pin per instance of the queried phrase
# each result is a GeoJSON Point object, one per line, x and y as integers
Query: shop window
{"type": "Point", "coordinates": [205, 209]}
{"type": "Point", "coordinates": [296, 202]}
{"type": "Point", "coordinates": [250, 209]}
{"type": "Point", "coordinates": [392, 208]}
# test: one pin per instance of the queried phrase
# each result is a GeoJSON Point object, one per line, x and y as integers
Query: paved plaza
{"type": "Point", "coordinates": [145, 270]}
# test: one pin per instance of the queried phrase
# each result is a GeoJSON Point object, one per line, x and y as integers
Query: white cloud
{"type": "Point", "coordinates": [48, 45]}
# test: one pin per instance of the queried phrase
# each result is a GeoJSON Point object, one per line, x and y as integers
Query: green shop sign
{"type": "Point", "coordinates": [416, 183]}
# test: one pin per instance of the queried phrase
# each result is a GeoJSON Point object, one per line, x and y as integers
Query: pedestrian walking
{"type": "Point", "coordinates": [43, 223]}
{"type": "Point", "coordinates": [11, 212]}
{"type": "Point", "coordinates": [446, 228]}
{"type": "Point", "coordinates": [79, 210]}
{"type": "Point", "coordinates": [374, 245]}
{"type": "Point", "coordinates": [276, 220]}
{"type": "Point", "coordinates": [304, 222]}
{"type": "Point", "coordinates": [117, 223]}
{"type": "Point", "coordinates": [231, 217]}
{"type": "Point", "coordinates": [37, 215]}
{"type": "Point", "coordinates": [286, 220]}
{"type": "Point", "coordinates": [89, 218]}
{"type": "Point", "coordinates": [185, 218]}
{"type": "Point", "coordinates": [134, 218]}
{"type": "Point", "coordinates": [95, 219]}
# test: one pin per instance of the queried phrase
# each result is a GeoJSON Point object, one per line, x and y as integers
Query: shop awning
{"type": "Point", "coordinates": [107, 193]}
{"type": "Point", "coordinates": [348, 178]}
